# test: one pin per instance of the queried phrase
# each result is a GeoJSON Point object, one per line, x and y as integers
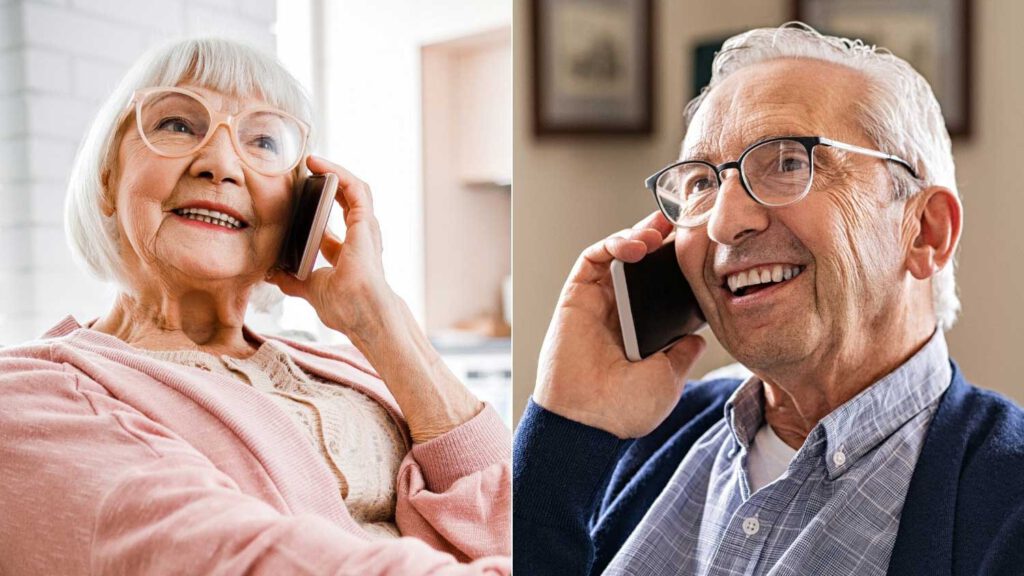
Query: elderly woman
{"type": "Point", "coordinates": [165, 436]}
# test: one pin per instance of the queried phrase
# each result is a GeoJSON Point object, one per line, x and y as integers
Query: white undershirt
{"type": "Point", "coordinates": [767, 459]}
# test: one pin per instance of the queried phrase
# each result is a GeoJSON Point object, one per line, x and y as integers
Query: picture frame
{"type": "Point", "coordinates": [592, 67]}
{"type": "Point", "coordinates": [934, 36]}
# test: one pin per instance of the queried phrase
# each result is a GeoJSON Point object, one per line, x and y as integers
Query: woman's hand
{"type": "Point", "coordinates": [583, 373]}
{"type": "Point", "coordinates": [351, 296]}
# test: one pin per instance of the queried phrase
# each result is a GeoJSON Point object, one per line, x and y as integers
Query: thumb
{"type": "Point", "coordinates": [684, 353]}
{"type": "Point", "coordinates": [288, 284]}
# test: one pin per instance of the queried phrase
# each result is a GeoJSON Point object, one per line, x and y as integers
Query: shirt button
{"type": "Point", "coordinates": [751, 526]}
{"type": "Point", "coordinates": [839, 458]}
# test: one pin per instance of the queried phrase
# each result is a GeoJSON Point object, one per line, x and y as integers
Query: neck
{"type": "Point", "coordinates": [191, 320]}
{"type": "Point", "coordinates": [798, 397]}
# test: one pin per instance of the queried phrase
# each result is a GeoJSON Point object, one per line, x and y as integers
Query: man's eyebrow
{"type": "Point", "coordinates": [699, 152]}
{"type": "Point", "coordinates": [702, 151]}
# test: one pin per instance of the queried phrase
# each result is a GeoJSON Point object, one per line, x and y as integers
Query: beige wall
{"type": "Point", "coordinates": [467, 161]}
{"type": "Point", "coordinates": [570, 192]}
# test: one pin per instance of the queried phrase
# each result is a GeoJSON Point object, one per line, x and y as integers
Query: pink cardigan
{"type": "Point", "coordinates": [114, 462]}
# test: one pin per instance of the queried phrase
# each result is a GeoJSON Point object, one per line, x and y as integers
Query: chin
{"type": "Point", "coordinates": [216, 271]}
{"type": "Point", "coordinates": [771, 346]}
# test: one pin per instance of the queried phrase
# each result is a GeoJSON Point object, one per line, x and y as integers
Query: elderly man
{"type": "Point", "coordinates": [816, 217]}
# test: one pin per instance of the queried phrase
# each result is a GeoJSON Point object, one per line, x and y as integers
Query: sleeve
{"type": "Point", "coordinates": [93, 486]}
{"type": "Point", "coordinates": [454, 492]}
{"type": "Point", "coordinates": [561, 468]}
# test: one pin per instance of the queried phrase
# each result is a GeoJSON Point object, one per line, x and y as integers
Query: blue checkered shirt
{"type": "Point", "coordinates": [836, 508]}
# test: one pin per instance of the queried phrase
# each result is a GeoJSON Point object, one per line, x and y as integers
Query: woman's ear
{"type": "Point", "coordinates": [935, 219]}
{"type": "Point", "coordinates": [108, 203]}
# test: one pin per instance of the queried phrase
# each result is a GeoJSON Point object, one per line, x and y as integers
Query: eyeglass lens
{"type": "Point", "coordinates": [176, 124]}
{"type": "Point", "coordinates": [776, 172]}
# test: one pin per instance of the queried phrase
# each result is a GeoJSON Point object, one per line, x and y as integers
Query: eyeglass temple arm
{"type": "Point", "coordinates": [870, 152]}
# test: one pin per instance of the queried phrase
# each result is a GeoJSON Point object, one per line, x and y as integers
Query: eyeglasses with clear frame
{"type": "Point", "coordinates": [773, 172]}
{"type": "Point", "coordinates": [176, 122]}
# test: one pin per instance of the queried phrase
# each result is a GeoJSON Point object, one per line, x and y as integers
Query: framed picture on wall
{"type": "Point", "coordinates": [592, 65]}
{"type": "Point", "coordinates": [934, 36]}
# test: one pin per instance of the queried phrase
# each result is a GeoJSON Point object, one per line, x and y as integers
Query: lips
{"type": "Point", "coordinates": [756, 278]}
{"type": "Point", "coordinates": [211, 213]}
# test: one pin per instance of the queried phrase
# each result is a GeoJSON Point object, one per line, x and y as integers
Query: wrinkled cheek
{"type": "Point", "coordinates": [852, 269]}
{"type": "Point", "coordinates": [142, 234]}
{"type": "Point", "coordinates": [266, 244]}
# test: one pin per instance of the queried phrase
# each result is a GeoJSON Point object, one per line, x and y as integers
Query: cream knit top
{"type": "Point", "coordinates": [354, 434]}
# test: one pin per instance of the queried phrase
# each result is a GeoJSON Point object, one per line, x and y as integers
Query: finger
{"type": "Point", "coordinates": [644, 237]}
{"type": "Point", "coordinates": [651, 238]}
{"type": "Point", "coordinates": [628, 245]}
{"type": "Point", "coordinates": [330, 246]}
{"type": "Point", "coordinates": [656, 221]}
{"type": "Point", "coordinates": [626, 249]}
{"type": "Point", "coordinates": [353, 193]}
{"type": "Point", "coordinates": [684, 353]}
{"type": "Point", "coordinates": [288, 284]}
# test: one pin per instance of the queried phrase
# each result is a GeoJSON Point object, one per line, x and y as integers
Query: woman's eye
{"type": "Point", "coordinates": [175, 125]}
{"type": "Point", "coordinates": [265, 143]}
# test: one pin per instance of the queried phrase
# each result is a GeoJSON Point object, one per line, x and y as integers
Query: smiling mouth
{"type": "Point", "coordinates": [211, 217]}
{"type": "Point", "coordinates": [760, 278]}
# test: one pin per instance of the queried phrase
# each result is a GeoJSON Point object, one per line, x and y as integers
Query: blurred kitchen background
{"type": "Point", "coordinates": [413, 97]}
{"type": "Point", "coordinates": [578, 180]}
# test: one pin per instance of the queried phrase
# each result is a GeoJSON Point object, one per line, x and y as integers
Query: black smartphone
{"type": "Point", "coordinates": [314, 197]}
{"type": "Point", "coordinates": [656, 304]}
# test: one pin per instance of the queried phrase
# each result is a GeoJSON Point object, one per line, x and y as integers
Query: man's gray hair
{"type": "Point", "coordinates": [898, 111]}
{"type": "Point", "coordinates": [223, 65]}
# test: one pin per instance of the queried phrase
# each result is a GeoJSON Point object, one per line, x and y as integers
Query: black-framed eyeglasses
{"type": "Point", "coordinates": [774, 172]}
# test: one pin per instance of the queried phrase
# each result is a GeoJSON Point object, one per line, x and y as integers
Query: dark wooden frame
{"type": "Point", "coordinates": [957, 127]}
{"type": "Point", "coordinates": [541, 127]}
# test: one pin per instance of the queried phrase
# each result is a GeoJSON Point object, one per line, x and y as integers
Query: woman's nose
{"type": "Point", "coordinates": [217, 159]}
{"type": "Point", "coordinates": [735, 215]}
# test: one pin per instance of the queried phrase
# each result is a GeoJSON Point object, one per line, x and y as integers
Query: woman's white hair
{"type": "Point", "coordinates": [898, 112]}
{"type": "Point", "coordinates": [223, 65]}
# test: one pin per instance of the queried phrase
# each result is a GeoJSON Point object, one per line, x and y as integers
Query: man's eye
{"type": "Point", "coordinates": [792, 164]}
{"type": "Point", "coordinates": [699, 186]}
{"type": "Point", "coordinates": [175, 125]}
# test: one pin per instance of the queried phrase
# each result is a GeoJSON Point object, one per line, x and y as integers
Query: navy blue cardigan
{"type": "Point", "coordinates": [579, 492]}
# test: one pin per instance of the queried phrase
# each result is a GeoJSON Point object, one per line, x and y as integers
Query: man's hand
{"type": "Point", "coordinates": [583, 373]}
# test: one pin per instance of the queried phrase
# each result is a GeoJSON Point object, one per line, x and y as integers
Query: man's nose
{"type": "Point", "coordinates": [735, 214]}
{"type": "Point", "coordinates": [217, 159]}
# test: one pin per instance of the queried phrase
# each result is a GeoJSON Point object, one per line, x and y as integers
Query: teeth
{"type": "Point", "coordinates": [776, 273]}
{"type": "Point", "coordinates": [210, 217]}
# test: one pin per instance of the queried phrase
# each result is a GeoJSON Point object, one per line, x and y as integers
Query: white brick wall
{"type": "Point", "coordinates": [59, 59]}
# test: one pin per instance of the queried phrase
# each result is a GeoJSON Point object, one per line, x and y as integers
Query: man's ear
{"type": "Point", "coordinates": [935, 219]}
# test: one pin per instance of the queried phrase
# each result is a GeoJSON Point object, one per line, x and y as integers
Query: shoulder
{"type": "Point", "coordinates": [34, 358]}
{"type": "Point", "coordinates": [986, 425]}
{"type": "Point", "coordinates": [974, 449]}
{"type": "Point", "coordinates": [967, 483]}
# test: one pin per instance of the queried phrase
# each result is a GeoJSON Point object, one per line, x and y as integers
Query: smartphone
{"type": "Point", "coordinates": [314, 197]}
{"type": "Point", "coordinates": [656, 304]}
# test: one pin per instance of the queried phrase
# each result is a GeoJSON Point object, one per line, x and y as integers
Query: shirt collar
{"type": "Point", "coordinates": [865, 420]}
